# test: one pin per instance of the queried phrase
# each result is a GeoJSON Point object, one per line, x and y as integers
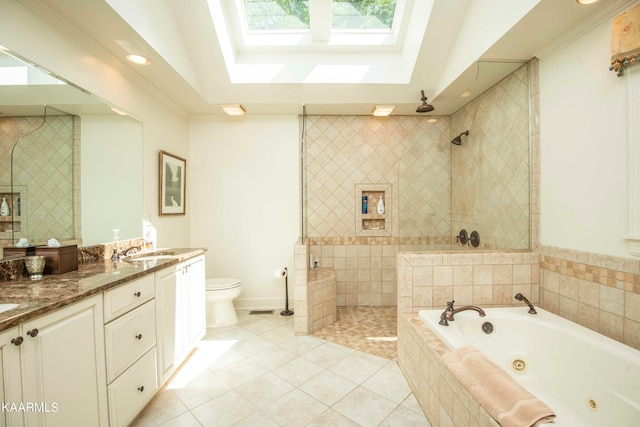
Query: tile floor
{"type": "Point", "coordinates": [258, 373]}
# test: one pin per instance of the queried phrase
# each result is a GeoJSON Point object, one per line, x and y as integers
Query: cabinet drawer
{"type": "Point", "coordinates": [132, 390]}
{"type": "Point", "coordinates": [129, 337]}
{"type": "Point", "coordinates": [119, 300]}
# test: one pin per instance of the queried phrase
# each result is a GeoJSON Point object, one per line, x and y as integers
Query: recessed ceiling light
{"type": "Point", "coordinates": [138, 59]}
{"type": "Point", "coordinates": [465, 94]}
{"type": "Point", "coordinates": [233, 109]}
{"type": "Point", "coordinates": [584, 2]}
{"type": "Point", "coordinates": [383, 110]}
{"type": "Point", "coordinates": [432, 120]}
{"type": "Point", "coordinates": [117, 111]}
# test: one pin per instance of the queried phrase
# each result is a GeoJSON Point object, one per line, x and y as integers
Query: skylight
{"type": "Point", "coordinates": [320, 41]}
{"type": "Point", "coordinates": [299, 15]}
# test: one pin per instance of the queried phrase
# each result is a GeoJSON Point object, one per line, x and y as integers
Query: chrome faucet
{"type": "Point", "coordinates": [449, 312]}
{"type": "Point", "coordinates": [130, 251]}
{"type": "Point", "coordinates": [521, 297]}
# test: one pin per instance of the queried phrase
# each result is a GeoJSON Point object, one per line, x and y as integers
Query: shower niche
{"type": "Point", "coordinates": [12, 225]}
{"type": "Point", "coordinates": [368, 221]}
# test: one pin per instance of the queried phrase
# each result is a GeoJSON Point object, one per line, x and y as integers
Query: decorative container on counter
{"type": "Point", "coordinates": [59, 260]}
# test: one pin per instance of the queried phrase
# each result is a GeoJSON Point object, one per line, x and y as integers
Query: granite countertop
{"type": "Point", "coordinates": [38, 297]}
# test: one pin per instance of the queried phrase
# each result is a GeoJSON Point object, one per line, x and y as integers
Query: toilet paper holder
{"type": "Point", "coordinates": [283, 272]}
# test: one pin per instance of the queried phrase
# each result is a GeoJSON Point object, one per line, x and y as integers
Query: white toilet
{"type": "Point", "coordinates": [221, 291]}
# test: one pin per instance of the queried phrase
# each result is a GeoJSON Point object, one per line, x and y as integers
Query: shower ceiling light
{"type": "Point", "coordinates": [138, 59]}
{"type": "Point", "coordinates": [233, 109]}
{"type": "Point", "coordinates": [383, 110]}
{"type": "Point", "coordinates": [585, 2]}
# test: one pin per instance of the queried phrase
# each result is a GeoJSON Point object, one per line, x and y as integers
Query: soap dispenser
{"type": "Point", "coordinates": [380, 206]}
{"type": "Point", "coordinates": [4, 208]}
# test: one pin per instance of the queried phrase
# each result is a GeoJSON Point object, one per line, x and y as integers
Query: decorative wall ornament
{"type": "Point", "coordinates": [625, 41]}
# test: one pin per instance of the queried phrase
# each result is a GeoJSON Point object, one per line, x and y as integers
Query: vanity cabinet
{"type": "Point", "coordinates": [130, 342]}
{"type": "Point", "coordinates": [180, 315]}
{"type": "Point", "coordinates": [11, 390]}
{"type": "Point", "coordinates": [53, 368]}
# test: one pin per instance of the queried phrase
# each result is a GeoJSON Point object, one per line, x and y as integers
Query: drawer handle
{"type": "Point", "coordinates": [17, 341]}
{"type": "Point", "coordinates": [139, 336]}
{"type": "Point", "coordinates": [137, 294]}
{"type": "Point", "coordinates": [33, 333]}
{"type": "Point", "coordinates": [141, 388]}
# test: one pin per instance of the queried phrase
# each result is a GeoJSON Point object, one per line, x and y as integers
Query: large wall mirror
{"type": "Point", "coordinates": [70, 164]}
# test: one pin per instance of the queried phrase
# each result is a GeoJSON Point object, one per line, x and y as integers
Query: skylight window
{"type": "Point", "coordinates": [288, 15]}
{"type": "Point", "coordinates": [362, 15]}
{"type": "Point", "coordinates": [276, 14]}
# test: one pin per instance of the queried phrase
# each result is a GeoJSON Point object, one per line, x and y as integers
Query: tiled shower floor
{"type": "Point", "coordinates": [258, 373]}
{"type": "Point", "coordinates": [368, 329]}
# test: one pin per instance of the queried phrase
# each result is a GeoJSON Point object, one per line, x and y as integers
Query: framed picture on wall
{"type": "Point", "coordinates": [172, 189]}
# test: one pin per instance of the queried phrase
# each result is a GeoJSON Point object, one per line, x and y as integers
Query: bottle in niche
{"type": "Point", "coordinates": [365, 204]}
{"type": "Point", "coordinates": [4, 207]}
{"type": "Point", "coordinates": [380, 206]}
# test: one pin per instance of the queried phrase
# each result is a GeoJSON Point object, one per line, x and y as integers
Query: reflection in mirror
{"type": "Point", "coordinates": [76, 172]}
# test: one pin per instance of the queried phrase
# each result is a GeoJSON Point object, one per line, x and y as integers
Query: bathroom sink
{"type": "Point", "coordinates": [152, 256]}
{"type": "Point", "coordinates": [7, 307]}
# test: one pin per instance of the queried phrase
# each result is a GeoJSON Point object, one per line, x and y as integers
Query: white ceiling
{"type": "Point", "coordinates": [466, 45]}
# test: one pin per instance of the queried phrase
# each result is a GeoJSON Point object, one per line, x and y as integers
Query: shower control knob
{"type": "Point", "coordinates": [462, 237]}
{"type": "Point", "coordinates": [474, 239]}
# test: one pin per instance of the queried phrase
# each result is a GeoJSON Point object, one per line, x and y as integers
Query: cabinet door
{"type": "Point", "coordinates": [168, 311]}
{"type": "Point", "coordinates": [10, 381]}
{"type": "Point", "coordinates": [64, 367]}
{"type": "Point", "coordinates": [196, 303]}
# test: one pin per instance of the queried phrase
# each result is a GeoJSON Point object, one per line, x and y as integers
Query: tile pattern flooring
{"type": "Point", "coordinates": [258, 373]}
{"type": "Point", "coordinates": [368, 329]}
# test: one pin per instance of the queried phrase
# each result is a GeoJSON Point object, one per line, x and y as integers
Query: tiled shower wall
{"type": "Point", "coordinates": [345, 151]}
{"type": "Point", "coordinates": [414, 158]}
{"type": "Point", "coordinates": [46, 168]}
{"type": "Point", "coordinates": [490, 172]}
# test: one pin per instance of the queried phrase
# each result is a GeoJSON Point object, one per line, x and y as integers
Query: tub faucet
{"type": "Point", "coordinates": [521, 297]}
{"type": "Point", "coordinates": [449, 312]}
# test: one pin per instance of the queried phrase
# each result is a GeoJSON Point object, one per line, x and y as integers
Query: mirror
{"type": "Point", "coordinates": [70, 166]}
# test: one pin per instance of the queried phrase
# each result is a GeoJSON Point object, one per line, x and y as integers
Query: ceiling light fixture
{"type": "Point", "coordinates": [233, 109]}
{"type": "Point", "coordinates": [138, 59]}
{"type": "Point", "coordinates": [465, 94]}
{"type": "Point", "coordinates": [424, 108]}
{"type": "Point", "coordinates": [432, 120]}
{"type": "Point", "coordinates": [118, 111]}
{"type": "Point", "coordinates": [383, 110]}
{"type": "Point", "coordinates": [586, 2]}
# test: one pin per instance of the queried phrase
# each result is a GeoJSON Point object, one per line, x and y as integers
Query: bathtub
{"type": "Point", "coordinates": [586, 378]}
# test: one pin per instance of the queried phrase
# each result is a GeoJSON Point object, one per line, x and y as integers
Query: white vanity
{"type": "Point", "coordinates": [97, 361]}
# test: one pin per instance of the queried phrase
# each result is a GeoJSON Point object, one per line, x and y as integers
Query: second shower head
{"type": "Point", "coordinates": [458, 139]}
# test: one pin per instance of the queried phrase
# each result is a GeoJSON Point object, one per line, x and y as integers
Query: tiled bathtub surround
{"type": "Point", "coordinates": [597, 291]}
{"type": "Point", "coordinates": [487, 278]}
{"type": "Point", "coordinates": [443, 399]}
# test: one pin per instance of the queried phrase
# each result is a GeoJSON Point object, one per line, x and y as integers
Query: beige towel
{"type": "Point", "coordinates": [501, 396]}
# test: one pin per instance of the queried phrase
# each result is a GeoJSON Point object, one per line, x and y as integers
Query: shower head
{"type": "Point", "coordinates": [424, 108]}
{"type": "Point", "coordinates": [458, 140]}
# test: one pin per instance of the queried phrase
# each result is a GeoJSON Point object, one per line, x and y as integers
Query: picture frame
{"type": "Point", "coordinates": [172, 184]}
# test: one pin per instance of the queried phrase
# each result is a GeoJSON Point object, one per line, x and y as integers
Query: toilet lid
{"type": "Point", "coordinates": [220, 283]}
